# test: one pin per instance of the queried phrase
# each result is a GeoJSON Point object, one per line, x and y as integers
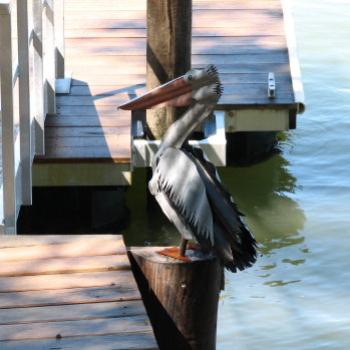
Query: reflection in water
{"type": "Point", "coordinates": [261, 192]}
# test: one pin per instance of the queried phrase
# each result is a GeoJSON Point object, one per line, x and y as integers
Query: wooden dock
{"type": "Point", "coordinates": [88, 142]}
{"type": "Point", "coordinates": [70, 292]}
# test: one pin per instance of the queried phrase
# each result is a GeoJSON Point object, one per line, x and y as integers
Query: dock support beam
{"type": "Point", "coordinates": [169, 33]}
{"type": "Point", "coordinates": [181, 298]}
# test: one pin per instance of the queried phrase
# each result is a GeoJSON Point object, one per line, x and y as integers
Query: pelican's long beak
{"type": "Point", "coordinates": [177, 93]}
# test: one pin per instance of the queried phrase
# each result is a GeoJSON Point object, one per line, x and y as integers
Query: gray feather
{"type": "Point", "coordinates": [177, 176]}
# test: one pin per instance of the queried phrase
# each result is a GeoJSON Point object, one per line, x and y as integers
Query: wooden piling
{"type": "Point", "coordinates": [169, 28]}
{"type": "Point", "coordinates": [181, 298]}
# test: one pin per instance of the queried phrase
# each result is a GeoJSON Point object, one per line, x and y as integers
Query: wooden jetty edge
{"type": "Point", "coordinates": [70, 292]}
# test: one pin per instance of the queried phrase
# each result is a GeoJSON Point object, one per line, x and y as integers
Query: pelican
{"type": "Point", "coordinates": [185, 184]}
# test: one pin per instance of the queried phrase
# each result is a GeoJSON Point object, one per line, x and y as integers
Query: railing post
{"type": "Point", "coordinates": [49, 50]}
{"type": "Point", "coordinates": [59, 38]}
{"type": "Point", "coordinates": [24, 102]}
{"type": "Point", "coordinates": [63, 82]}
{"type": "Point", "coordinates": [8, 150]}
{"type": "Point", "coordinates": [38, 91]}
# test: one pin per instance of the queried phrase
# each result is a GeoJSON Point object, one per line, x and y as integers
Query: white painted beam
{"type": "Point", "coordinates": [214, 145]}
{"type": "Point", "coordinates": [257, 120]}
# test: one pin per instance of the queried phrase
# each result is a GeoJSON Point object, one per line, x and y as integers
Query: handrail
{"type": "Point", "coordinates": [35, 75]}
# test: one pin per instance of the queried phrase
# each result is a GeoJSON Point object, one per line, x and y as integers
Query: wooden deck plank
{"type": "Point", "coordinates": [134, 341]}
{"type": "Point", "coordinates": [130, 5]}
{"type": "Point", "coordinates": [93, 247]}
{"type": "Point", "coordinates": [129, 324]}
{"type": "Point", "coordinates": [65, 265]}
{"type": "Point", "coordinates": [63, 281]}
{"type": "Point", "coordinates": [69, 296]}
{"type": "Point", "coordinates": [44, 240]}
{"type": "Point", "coordinates": [109, 141]}
{"type": "Point", "coordinates": [72, 312]}
{"type": "Point", "coordinates": [86, 155]}
{"type": "Point", "coordinates": [264, 41]}
{"type": "Point", "coordinates": [86, 131]}
{"type": "Point", "coordinates": [110, 120]}
{"type": "Point", "coordinates": [214, 32]}
{"type": "Point", "coordinates": [250, 23]}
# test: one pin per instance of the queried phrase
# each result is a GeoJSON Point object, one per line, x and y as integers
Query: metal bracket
{"type": "Point", "coordinates": [271, 90]}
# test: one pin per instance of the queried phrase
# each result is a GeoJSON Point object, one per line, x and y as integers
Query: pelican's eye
{"type": "Point", "coordinates": [190, 77]}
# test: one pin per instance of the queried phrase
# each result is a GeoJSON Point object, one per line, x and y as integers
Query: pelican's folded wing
{"type": "Point", "coordinates": [228, 223]}
{"type": "Point", "coordinates": [178, 177]}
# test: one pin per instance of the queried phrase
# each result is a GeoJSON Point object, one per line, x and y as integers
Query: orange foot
{"type": "Point", "coordinates": [174, 252]}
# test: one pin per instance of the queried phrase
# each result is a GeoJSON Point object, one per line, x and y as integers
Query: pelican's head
{"type": "Point", "coordinates": [200, 85]}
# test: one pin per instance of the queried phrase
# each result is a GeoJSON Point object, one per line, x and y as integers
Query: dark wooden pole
{"type": "Point", "coordinates": [181, 298]}
{"type": "Point", "coordinates": [169, 27]}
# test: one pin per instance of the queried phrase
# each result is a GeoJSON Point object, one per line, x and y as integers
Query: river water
{"type": "Point", "coordinates": [297, 203]}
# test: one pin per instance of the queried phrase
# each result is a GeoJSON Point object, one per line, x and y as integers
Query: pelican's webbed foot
{"type": "Point", "coordinates": [175, 253]}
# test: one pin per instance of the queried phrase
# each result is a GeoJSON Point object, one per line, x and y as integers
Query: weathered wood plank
{"type": "Point", "coordinates": [244, 31]}
{"type": "Point", "coordinates": [110, 141]}
{"type": "Point", "coordinates": [246, 76]}
{"type": "Point", "coordinates": [34, 240]}
{"type": "Point", "coordinates": [64, 281]}
{"type": "Point", "coordinates": [88, 154]}
{"type": "Point", "coordinates": [86, 121]}
{"type": "Point", "coordinates": [66, 265]}
{"type": "Point", "coordinates": [86, 111]}
{"type": "Point", "coordinates": [72, 312]}
{"type": "Point", "coordinates": [131, 324]}
{"type": "Point", "coordinates": [84, 48]}
{"type": "Point", "coordinates": [201, 18]}
{"type": "Point", "coordinates": [87, 131]}
{"type": "Point", "coordinates": [93, 247]}
{"type": "Point", "coordinates": [136, 87]}
{"type": "Point", "coordinates": [134, 5]}
{"type": "Point", "coordinates": [69, 296]}
{"type": "Point", "coordinates": [202, 45]}
{"type": "Point", "coordinates": [133, 341]}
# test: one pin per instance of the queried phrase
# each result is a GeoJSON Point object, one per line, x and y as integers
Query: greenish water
{"type": "Point", "coordinates": [297, 203]}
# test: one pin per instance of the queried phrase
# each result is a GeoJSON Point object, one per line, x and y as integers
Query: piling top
{"type": "Point", "coordinates": [152, 254]}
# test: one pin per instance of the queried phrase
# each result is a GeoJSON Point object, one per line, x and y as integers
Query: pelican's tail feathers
{"type": "Point", "coordinates": [235, 255]}
{"type": "Point", "coordinates": [230, 232]}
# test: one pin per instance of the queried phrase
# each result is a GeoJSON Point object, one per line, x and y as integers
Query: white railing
{"type": "Point", "coordinates": [30, 61]}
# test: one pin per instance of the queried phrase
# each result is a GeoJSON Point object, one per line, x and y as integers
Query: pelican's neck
{"type": "Point", "coordinates": [181, 129]}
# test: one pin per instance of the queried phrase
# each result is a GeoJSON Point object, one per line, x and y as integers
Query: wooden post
{"type": "Point", "coordinates": [8, 144]}
{"type": "Point", "coordinates": [38, 91]}
{"type": "Point", "coordinates": [59, 38]}
{"type": "Point", "coordinates": [169, 26]}
{"type": "Point", "coordinates": [181, 298]}
{"type": "Point", "coordinates": [49, 54]}
{"type": "Point", "coordinates": [24, 102]}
